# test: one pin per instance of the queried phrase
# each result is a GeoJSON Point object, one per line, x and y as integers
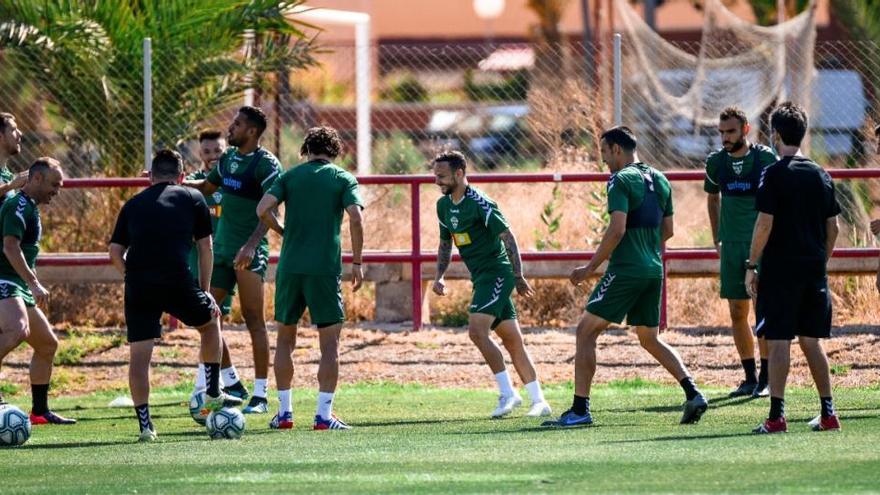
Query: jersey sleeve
{"type": "Point", "coordinates": [445, 234]}
{"type": "Point", "coordinates": [202, 226]}
{"type": "Point", "coordinates": [267, 172]}
{"type": "Point", "coordinates": [14, 222]}
{"type": "Point", "coordinates": [351, 193]}
{"type": "Point", "coordinates": [496, 222]}
{"type": "Point", "coordinates": [120, 232]}
{"type": "Point", "coordinates": [766, 157]}
{"type": "Point", "coordinates": [214, 176]}
{"type": "Point", "coordinates": [618, 194]}
{"type": "Point", "coordinates": [765, 199]}
{"type": "Point", "coordinates": [710, 183]}
{"type": "Point", "coordinates": [279, 187]}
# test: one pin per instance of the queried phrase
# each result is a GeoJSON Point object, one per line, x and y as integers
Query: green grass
{"type": "Point", "coordinates": [413, 439]}
{"type": "Point", "coordinates": [77, 345]}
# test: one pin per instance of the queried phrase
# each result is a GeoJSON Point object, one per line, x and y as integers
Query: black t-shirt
{"type": "Point", "coordinates": [158, 225]}
{"type": "Point", "coordinates": [800, 196]}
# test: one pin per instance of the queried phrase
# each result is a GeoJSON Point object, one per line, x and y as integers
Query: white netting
{"type": "Point", "coordinates": [682, 88]}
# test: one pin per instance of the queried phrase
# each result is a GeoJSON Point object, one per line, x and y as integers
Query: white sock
{"type": "Point", "coordinates": [201, 379]}
{"type": "Point", "coordinates": [535, 392]}
{"type": "Point", "coordinates": [261, 387]}
{"type": "Point", "coordinates": [228, 376]}
{"type": "Point", "coordinates": [325, 404]}
{"type": "Point", "coordinates": [504, 383]}
{"type": "Point", "coordinates": [284, 399]}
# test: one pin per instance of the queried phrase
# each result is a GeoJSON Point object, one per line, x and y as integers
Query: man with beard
{"type": "Point", "coordinates": [732, 176]}
{"type": "Point", "coordinates": [10, 144]}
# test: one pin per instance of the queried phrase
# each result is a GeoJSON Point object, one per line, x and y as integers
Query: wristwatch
{"type": "Point", "coordinates": [751, 266]}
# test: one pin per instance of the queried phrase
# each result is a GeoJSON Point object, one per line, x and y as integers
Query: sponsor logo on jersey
{"type": "Point", "coordinates": [232, 183]}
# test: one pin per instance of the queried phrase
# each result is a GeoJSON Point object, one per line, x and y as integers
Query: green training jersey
{"type": "Point", "coordinates": [242, 180]}
{"type": "Point", "coordinates": [474, 224]}
{"type": "Point", "coordinates": [6, 176]}
{"type": "Point", "coordinates": [737, 179]}
{"type": "Point", "coordinates": [638, 253]}
{"type": "Point", "coordinates": [315, 195]}
{"type": "Point", "coordinates": [20, 218]}
{"type": "Point", "coordinates": [213, 201]}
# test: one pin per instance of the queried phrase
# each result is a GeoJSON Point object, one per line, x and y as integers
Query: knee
{"type": "Point", "coordinates": [587, 334]}
{"type": "Point", "coordinates": [477, 336]}
{"type": "Point", "coordinates": [21, 331]}
{"type": "Point", "coordinates": [254, 321]}
{"type": "Point", "coordinates": [48, 348]}
{"type": "Point", "coordinates": [649, 341]}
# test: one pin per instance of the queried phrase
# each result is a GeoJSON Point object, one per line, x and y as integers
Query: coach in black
{"type": "Point", "coordinates": [150, 247]}
{"type": "Point", "coordinates": [793, 238]}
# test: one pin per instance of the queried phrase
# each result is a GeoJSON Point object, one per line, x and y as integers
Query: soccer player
{"type": "Point", "coordinates": [315, 194]}
{"type": "Point", "coordinates": [244, 173]}
{"type": "Point", "coordinates": [473, 222]}
{"type": "Point", "coordinates": [640, 207]}
{"type": "Point", "coordinates": [732, 176]}
{"type": "Point", "coordinates": [10, 144]}
{"type": "Point", "coordinates": [211, 148]}
{"type": "Point", "coordinates": [793, 240]}
{"type": "Point", "coordinates": [20, 290]}
{"type": "Point", "coordinates": [150, 247]}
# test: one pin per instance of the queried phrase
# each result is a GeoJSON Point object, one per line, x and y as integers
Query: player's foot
{"type": "Point", "coordinates": [282, 421]}
{"type": "Point", "coordinates": [50, 418]}
{"type": "Point", "coordinates": [570, 418]}
{"type": "Point", "coordinates": [831, 423]}
{"type": "Point", "coordinates": [745, 389]}
{"type": "Point", "coordinates": [539, 410]}
{"type": "Point", "coordinates": [694, 409]}
{"type": "Point", "coordinates": [333, 423]}
{"type": "Point", "coordinates": [147, 435]}
{"type": "Point", "coordinates": [761, 390]}
{"type": "Point", "coordinates": [506, 405]}
{"type": "Point", "coordinates": [237, 390]}
{"type": "Point", "coordinates": [221, 401]}
{"type": "Point", "coordinates": [771, 426]}
{"type": "Point", "coordinates": [257, 405]}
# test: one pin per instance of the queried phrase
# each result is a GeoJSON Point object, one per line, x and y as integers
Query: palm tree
{"type": "Point", "coordinates": [86, 56]}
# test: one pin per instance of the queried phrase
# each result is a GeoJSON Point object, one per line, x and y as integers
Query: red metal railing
{"type": "Point", "coordinates": [415, 257]}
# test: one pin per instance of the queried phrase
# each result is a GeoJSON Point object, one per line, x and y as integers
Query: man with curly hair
{"type": "Point", "coordinates": [315, 194]}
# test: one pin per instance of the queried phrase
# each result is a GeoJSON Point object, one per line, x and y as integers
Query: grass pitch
{"type": "Point", "coordinates": [414, 439]}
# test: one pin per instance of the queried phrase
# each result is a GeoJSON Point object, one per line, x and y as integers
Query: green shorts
{"type": "Point", "coordinates": [636, 298]}
{"type": "Point", "coordinates": [321, 294]}
{"type": "Point", "coordinates": [733, 269]}
{"type": "Point", "coordinates": [223, 276]}
{"type": "Point", "coordinates": [492, 297]}
{"type": "Point", "coordinates": [15, 287]}
{"type": "Point", "coordinates": [226, 304]}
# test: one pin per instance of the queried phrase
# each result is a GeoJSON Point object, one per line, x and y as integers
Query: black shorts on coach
{"type": "Point", "coordinates": [146, 301]}
{"type": "Point", "coordinates": [789, 308]}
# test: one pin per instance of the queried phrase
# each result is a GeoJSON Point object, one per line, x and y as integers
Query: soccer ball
{"type": "Point", "coordinates": [225, 423]}
{"type": "Point", "coordinates": [196, 405]}
{"type": "Point", "coordinates": [15, 427]}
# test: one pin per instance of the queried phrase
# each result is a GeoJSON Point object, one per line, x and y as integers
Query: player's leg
{"type": "Point", "coordinates": [45, 344]}
{"type": "Point", "coordinates": [815, 324]}
{"type": "Point", "coordinates": [289, 307]}
{"type": "Point", "coordinates": [323, 296]}
{"type": "Point", "coordinates": [13, 326]}
{"type": "Point", "coordinates": [250, 296]}
{"type": "Point", "coordinates": [222, 286]}
{"type": "Point", "coordinates": [512, 340]}
{"type": "Point", "coordinates": [745, 345]}
{"type": "Point", "coordinates": [762, 390]}
{"type": "Point", "coordinates": [777, 308]}
{"type": "Point", "coordinates": [143, 313]}
{"type": "Point", "coordinates": [141, 353]}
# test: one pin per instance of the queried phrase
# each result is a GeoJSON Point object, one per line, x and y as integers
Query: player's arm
{"type": "Point", "coordinates": [760, 236]}
{"type": "Point", "coordinates": [713, 205]}
{"type": "Point", "coordinates": [612, 237]}
{"type": "Point", "coordinates": [667, 229]}
{"type": "Point", "coordinates": [12, 250]}
{"type": "Point", "coordinates": [266, 210]}
{"type": "Point", "coordinates": [522, 285]}
{"type": "Point", "coordinates": [832, 229]}
{"type": "Point", "coordinates": [356, 230]}
{"type": "Point", "coordinates": [17, 183]}
{"type": "Point", "coordinates": [206, 262]}
{"type": "Point", "coordinates": [204, 186]}
{"type": "Point", "coordinates": [117, 257]}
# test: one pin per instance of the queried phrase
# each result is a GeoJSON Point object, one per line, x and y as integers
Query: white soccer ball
{"type": "Point", "coordinates": [226, 423]}
{"type": "Point", "coordinates": [196, 406]}
{"type": "Point", "coordinates": [15, 426]}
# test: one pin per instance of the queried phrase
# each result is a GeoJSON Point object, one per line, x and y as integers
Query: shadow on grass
{"type": "Point", "coordinates": [675, 438]}
{"type": "Point", "coordinates": [415, 422]}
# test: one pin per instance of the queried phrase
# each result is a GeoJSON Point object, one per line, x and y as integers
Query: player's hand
{"type": "Point", "coordinates": [580, 274]}
{"type": "Point", "coordinates": [215, 308]}
{"type": "Point", "coordinates": [439, 287]}
{"type": "Point", "coordinates": [19, 181]}
{"type": "Point", "coordinates": [875, 227]}
{"type": "Point", "coordinates": [523, 288]}
{"type": "Point", "coordinates": [357, 277]}
{"type": "Point", "coordinates": [41, 295]}
{"type": "Point", "coordinates": [752, 284]}
{"type": "Point", "coordinates": [244, 258]}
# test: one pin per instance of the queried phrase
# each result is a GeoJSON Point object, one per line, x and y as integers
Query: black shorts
{"type": "Point", "coordinates": [146, 301]}
{"type": "Point", "coordinates": [789, 308]}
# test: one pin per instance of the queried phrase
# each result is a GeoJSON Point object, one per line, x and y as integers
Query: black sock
{"type": "Point", "coordinates": [580, 405]}
{"type": "Point", "coordinates": [827, 407]}
{"type": "Point", "coordinates": [777, 408]}
{"type": "Point", "coordinates": [212, 376]}
{"type": "Point", "coordinates": [690, 390]}
{"type": "Point", "coordinates": [750, 371]}
{"type": "Point", "coordinates": [143, 415]}
{"type": "Point", "coordinates": [40, 398]}
{"type": "Point", "coordinates": [765, 368]}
